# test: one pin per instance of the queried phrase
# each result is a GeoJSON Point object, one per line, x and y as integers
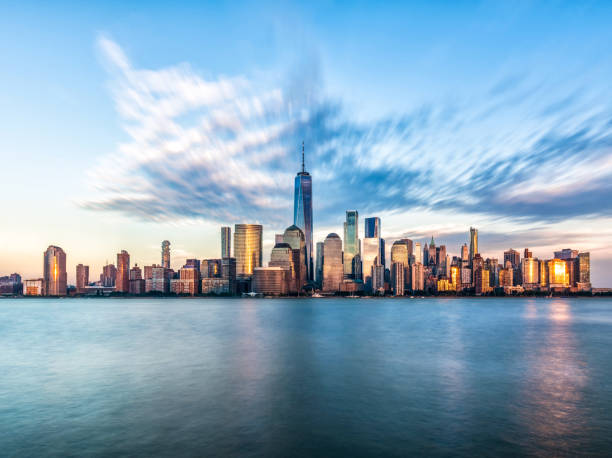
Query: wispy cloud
{"type": "Point", "coordinates": [227, 150]}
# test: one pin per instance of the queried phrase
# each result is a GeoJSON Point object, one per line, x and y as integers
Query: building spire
{"type": "Point", "coordinates": [303, 169]}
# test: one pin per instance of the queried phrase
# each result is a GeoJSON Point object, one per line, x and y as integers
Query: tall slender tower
{"type": "Point", "coordinates": [165, 254]}
{"type": "Point", "coordinates": [226, 243]}
{"type": "Point", "coordinates": [302, 211]}
{"type": "Point", "coordinates": [351, 242]}
{"type": "Point", "coordinates": [473, 243]}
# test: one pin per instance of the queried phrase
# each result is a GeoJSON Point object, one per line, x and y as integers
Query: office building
{"type": "Point", "coordinates": [228, 272]}
{"type": "Point", "coordinates": [165, 254]}
{"type": "Point", "coordinates": [270, 281]}
{"type": "Point", "coordinates": [54, 271]}
{"type": "Point", "coordinates": [294, 237]}
{"type": "Point", "coordinates": [217, 286]}
{"type": "Point", "coordinates": [473, 243]}
{"type": "Point", "coordinates": [417, 277]}
{"type": "Point", "coordinates": [82, 277]}
{"type": "Point", "coordinates": [108, 275]}
{"type": "Point", "coordinates": [558, 276]}
{"type": "Point", "coordinates": [397, 278]}
{"type": "Point", "coordinates": [226, 242]}
{"type": "Point", "coordinates": [371, 253]}
{"type": "Point", "coordinates": [351, 242]}
{"type": "Point", "coordinates": [122, 281]}
{"type": "Point", "coordinates": [247, 248]}
{"type": "Point", "coordinates": [566, 253]}
{"type": "Point", "coordinates": [514, 257]}
{"type": "Point", "coordinates": [333, 272]}
{"type": "Point", "coordinates": [418, 253]}
{"type": "Point", "coordinates": [319, 265]}
{"type": "Point", "coordinates": [34, 287]}
{"type": "Point", "coordinates": [583, 274]}
{"type": "Point", "coordinates": [302, 212]}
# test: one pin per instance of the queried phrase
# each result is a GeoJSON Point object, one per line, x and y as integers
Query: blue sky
{"type": "Point", "coordinates": [122, 125]}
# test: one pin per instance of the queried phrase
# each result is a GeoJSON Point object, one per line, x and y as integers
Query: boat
{"type": "Point", "coordinates": [316, 295]}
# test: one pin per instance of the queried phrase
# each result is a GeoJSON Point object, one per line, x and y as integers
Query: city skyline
{"type": "Point", "coordinates": [118, 129]}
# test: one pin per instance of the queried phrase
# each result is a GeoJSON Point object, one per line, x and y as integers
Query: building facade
{"type": "Point", "coordinates": [54, 271]}
{"type": "Point", "coordinates": [333, 271]}
{"type": "Point", "coordinates": [247, 248]}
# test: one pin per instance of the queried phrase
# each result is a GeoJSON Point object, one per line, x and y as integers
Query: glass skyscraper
{"type": "Point", "coordinates": [371, 254]}
{"type": "Point", "coordinates": [302, 211]}
{"type": "Point", "coordinates": [247, 248]}
{"type": "Point", "coordinates": [351, 242]}
{"type": "Point", "coordinates": [226, 244]}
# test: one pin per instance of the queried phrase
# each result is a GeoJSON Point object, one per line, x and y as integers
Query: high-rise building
{"type": "Point", "coordinates": [584, 270]}
{"type": "Point", "coordinates": [566, 253]}
{"type": "Point", "coordinates": [333, 272]}
{"type": "Point", "coordinates": [514, 257]}
{"type": "Point", "coordinates": [398, 277]}
{"type": "Point", "coordinates": [465, 256]}
{"type": "Point", "coordinates": [294, 237]}
{"type": "Point", "coordinates": [530, 272]}
{"type": "Point", "coordinates": [528, 254]}
{"type": "Point", "coordinates": [165, 254]}
{"type": "Point", "coordinates": [417, 276]}
{"type": "Point", "coordinates": [319, 265]}
{"type": "Point", "coordinates": [473, 243]}
{"type": "Point", "coordinates": [122, 281]}
{"type": "Point", "coordinates": [351, 242]}
{"type": "Point", "coordinates": [54, 268]}
{"type": "Point", "coordinates": [418, 253]}
{"type": "Point", "coordinates": [226, 242]}
{"type": "Point", "coordinates": [108, 275]}
{"type": "Point", "coordinates": [302, 211]}
{"type": "Point", "coordinates": [247, 248]}
{"type": "Point", "coordinates": [558, 276]}
{"type": "Point", "coordinates": [189, 279]}
{"type": "Point", "coordinates": [372, 250]}
{"type": "Point", "coordinates": [82, 277]}
{"type": "Point", "coordinates": [400, 252]}
{"type": "Point", "coordinates": [137, 283]}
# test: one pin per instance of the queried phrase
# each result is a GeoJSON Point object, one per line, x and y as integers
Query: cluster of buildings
{"type": "Point", "coordinates": [349, 265]}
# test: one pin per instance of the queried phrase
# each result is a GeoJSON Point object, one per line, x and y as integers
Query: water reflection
{"type": "Point", "coordinates": [551, 410]}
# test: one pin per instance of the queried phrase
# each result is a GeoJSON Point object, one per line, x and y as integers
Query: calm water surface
{"type": "Point", "coordinates": [248, 377]}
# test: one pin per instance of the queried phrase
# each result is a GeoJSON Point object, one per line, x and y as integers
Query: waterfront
{"type": "Point", "coordinates": [285, 377]}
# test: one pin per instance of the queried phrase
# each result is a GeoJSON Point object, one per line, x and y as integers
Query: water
{"type": "Point", "coordinates": [288, 377]}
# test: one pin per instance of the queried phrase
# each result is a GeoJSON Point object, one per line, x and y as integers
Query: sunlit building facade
{"type": "Point", "coordinates": [122, 281]}
{"type": "Point", "coordinates": [294, 237]}
{"type": "Point", "coordinates": [473, 243]}
{"type": "Point", "coordinates": [54, 271]}
{"type": "Point", "coordinates": [558, 276]}
{"type": "Point", "coordinates": [270, 281]}
{"type": "Point", "coordinates": [351, 242]}
{"type": "Point", "coordinates": [531, 272]}
{"type": "Point", "coordinates": [333, 272]}
{"type": "Point", "coordinates": [417, 277]}
{"type": "Point", "coordinates": [247, 248]}
{"type": "Point", "coordinates": [397, 278]}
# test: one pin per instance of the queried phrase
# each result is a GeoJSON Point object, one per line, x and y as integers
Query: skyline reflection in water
{"type": "Point", "coordinates": [298, 377]}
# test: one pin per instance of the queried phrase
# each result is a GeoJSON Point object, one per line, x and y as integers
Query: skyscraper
{"type": "Point", "coordinates": [54, 268]}
{"type": "Point", "coordinates": [302, 211]}
{"type": "Point", "coordinates": [294, 237]}
{"type": "Point", "coordinates": [351, 242]}
{"type": "Point", "coordinates": [82, 277]}
{"type": "Point", "coordinates": [247, 248]}
{"type": "Point", "coordinates": [226, 243]}
{"type": "Point", "coordinates": [333, 273]}
{"type": "Point", "coordinates": [165, 254]}
{"type": "Point", "coordinates": [418, 253]}
{"type": "Point", "coordinates": [319, 264]}
{"type": "Point", "coordinates": [473, 243]}
{"type": "Point", "coordinates": [122, 281]}
{"type": "Point", "coordinates": [371, 255]}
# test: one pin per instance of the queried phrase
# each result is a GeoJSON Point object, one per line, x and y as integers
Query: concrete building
{"type": "Point", "coordinates": [398, 276]}
{"type": "Point", "coordinates": [82, 277]}
{"type": "Point", "coordinates": [165, 254]}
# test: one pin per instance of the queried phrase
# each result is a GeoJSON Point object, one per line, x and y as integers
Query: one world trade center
{"type": "Point", "coordinates": [302, 211]}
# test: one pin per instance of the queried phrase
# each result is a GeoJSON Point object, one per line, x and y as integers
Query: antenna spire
{"type": "Point", "coordinates": [303, 169]}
